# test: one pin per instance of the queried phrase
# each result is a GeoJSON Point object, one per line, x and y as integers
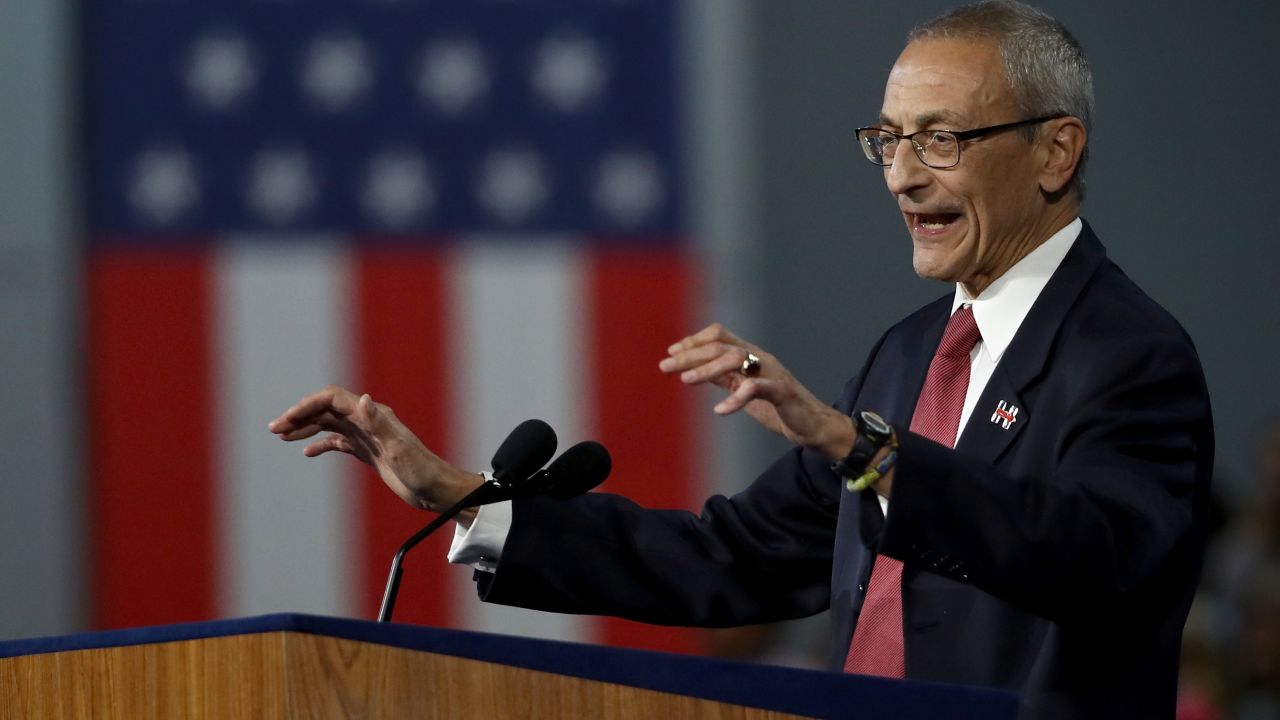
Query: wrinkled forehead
{"type": "Point", "coordinates": [951, 83]}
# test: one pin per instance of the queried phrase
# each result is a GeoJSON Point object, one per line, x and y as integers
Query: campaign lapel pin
{"type": "Point", "coordinates": [1005, 414]}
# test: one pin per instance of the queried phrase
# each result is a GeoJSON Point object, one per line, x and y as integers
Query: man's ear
{"type": "Point", "coordinates": [1063, 143]}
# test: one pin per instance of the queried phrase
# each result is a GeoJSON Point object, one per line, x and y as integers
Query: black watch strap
{"type": "Point", "coordinates": [873, 433]}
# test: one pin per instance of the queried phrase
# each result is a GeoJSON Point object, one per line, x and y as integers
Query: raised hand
{"type": "Point", "coordinates": [371, 432]}
{"type": "Point", "coordinates": [767, 392]}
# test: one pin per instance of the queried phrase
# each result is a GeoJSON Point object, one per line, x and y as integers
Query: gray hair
{"type": "Point", "coordinates": [1043, 62]}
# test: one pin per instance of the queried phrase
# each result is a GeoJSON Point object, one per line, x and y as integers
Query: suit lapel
{"type": "Point", "coordinates": [997, 419]}
{"type": "Point", "coordinates": [1000, 414]}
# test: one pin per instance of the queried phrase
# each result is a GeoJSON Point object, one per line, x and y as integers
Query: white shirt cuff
{"type": "Point", "coordinates": [480, 546]}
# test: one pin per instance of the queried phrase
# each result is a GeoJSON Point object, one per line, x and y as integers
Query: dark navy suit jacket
{"type": "Point", "coordinates": [1056, 557]}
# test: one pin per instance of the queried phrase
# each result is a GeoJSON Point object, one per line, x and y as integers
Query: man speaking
{"type": "Point", "coordinates": [1010, 492]}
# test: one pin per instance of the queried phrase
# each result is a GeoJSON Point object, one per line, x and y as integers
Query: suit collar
{"type": "Point", "coordinates": [1029, 349]}
{"type": "Point", "coordinates": [1004, 304]}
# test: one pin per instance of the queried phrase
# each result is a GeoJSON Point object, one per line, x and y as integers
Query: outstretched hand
{"type": "Point", "coordinates": [371, 432]}
{"type": "Point", "coordinates": [772, 397]}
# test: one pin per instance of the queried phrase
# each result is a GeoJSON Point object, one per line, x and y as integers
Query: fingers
{"type": "Point", "coordinates": [713, 333]}
{"type": "Point", "coordinates": [747, 390]}
{"type": "Point", "coordinates": [316, 424]}
{"type": "Point", "coordinates": [713, 354]}
{"type": "Point", "coordinates": [329, 443]}
{"type": "Point", "coordinates": [331, 402]}
{"type": "Point", "coordinates": [358, 426]}
{"type": "Point", "coordinates": [775, 391]}
{"type": "Point", "coordinates": [701, 355]}
{"type": "Point", "coordinates": [723, 368]}
{"type": "Point", "coordinates": [301, 433]}
{"type": "Point", "coordinates": [369, 412]}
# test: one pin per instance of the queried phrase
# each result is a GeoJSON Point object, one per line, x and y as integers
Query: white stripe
{"type": "Point", "coordinates": [519, 310]}
{"type": "Point", "coordinates": [282, 331]}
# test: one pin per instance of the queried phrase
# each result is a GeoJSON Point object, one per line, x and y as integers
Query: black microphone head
{"type": "Point", "coordinates": [525, 450]}
{"type": "Point", "coordinates": [577, 470]}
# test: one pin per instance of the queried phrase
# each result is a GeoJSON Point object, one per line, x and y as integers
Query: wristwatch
{"type": "Point", "coordinates": [874, 432]}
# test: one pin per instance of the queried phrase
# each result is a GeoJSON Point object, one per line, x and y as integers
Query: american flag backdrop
{"type": "Point", "coordinates": [473, 210]}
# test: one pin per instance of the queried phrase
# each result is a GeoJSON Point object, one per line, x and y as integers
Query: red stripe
{"type": "Point", "coordinates": [150, 466]}
{"type": "Point", "coordinates": [642, 302]}
{"type": "Point", "coordinates": [402, 360]}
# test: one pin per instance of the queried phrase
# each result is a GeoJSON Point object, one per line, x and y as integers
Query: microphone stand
{"type": "Point", "coordinates": [490, 492]}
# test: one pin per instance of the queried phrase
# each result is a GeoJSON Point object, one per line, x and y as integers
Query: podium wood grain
{"type": "Point", "coordinates": [289, 675]}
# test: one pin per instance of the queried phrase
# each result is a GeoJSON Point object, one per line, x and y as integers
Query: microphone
{"type": "Point", "coordinates": [526, 449]}
{"type": "Point", "coordinates": [517, 460]}
{"type": "Point", "coordinates": [576, 471]}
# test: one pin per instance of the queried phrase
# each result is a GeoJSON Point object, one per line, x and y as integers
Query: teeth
{"type": "Point", "coordinates": [933, 222]}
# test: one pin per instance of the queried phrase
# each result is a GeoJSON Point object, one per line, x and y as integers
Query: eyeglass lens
{"type": "Point", "coordinates": [937, 149]}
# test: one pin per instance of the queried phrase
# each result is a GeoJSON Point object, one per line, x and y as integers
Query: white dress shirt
{"type": "Point", "coordinates": [998, 310]}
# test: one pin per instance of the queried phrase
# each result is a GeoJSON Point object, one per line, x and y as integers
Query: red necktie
{"type": "Point", "coordinates": [877, 640]}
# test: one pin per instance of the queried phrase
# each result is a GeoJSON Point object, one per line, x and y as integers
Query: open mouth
{"type": "Point", "coordinates": [933, 222]}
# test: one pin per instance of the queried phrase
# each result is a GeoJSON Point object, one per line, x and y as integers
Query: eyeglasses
{"type": "Point", "coordinates": [938, 149]}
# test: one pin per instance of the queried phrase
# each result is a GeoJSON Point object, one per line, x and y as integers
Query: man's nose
{"type": "Point", "coordinates": [907, 171]}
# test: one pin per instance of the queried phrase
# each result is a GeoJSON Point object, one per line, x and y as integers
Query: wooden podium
{"type": "Point", "coordinates": [300, 666]}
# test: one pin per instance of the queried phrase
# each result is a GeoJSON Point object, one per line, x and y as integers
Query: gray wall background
{"type": "Point", "coordinates": [41, 541]}
{"type": "Point", "coordinates": [1182, 189]}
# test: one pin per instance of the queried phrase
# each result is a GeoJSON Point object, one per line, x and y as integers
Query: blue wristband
{"type": "Point", "coordinates": [871, 476]}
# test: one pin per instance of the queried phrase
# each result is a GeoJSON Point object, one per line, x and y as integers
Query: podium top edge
{"type": "Point", "coordinates": [789, 690]}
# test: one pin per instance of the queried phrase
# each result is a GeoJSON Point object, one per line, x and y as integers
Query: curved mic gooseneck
{"type": "Point", "coordinates": [526, 449]}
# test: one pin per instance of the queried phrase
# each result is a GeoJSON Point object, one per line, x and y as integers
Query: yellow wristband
{"type": "Point", "coordinates": [873, 475]}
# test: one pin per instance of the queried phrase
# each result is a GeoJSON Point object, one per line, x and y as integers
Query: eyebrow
{"type": "Point", "coordinates": [924, 120]}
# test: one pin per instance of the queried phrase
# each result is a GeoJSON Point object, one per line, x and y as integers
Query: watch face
{"type": "Point", "coordinates": [875, 424]}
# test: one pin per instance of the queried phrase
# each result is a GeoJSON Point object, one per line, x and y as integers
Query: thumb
{"type": "Point", "coordinates": [368, 408]}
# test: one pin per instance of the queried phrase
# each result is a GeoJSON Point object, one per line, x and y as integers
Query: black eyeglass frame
{"type": "Point", "coordinates": [959, 135]}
